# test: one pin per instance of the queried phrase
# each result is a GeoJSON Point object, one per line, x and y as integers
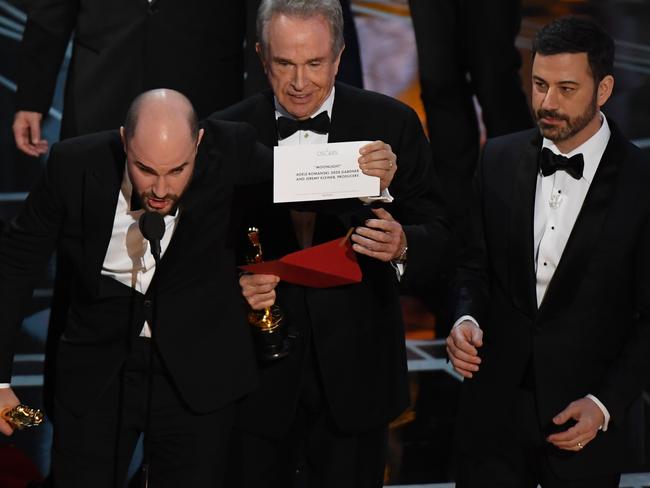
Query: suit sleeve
{"type": "Point", "coordinates": [25, 249]}
{"type": "Point", "coordinates": [419, 205]}
{"type": "Point", "coordinates": [45, 39]}
{"type": "Point", "coordinates": [469, 286]}
{"type": "Point", "coordinates": [628, 376]}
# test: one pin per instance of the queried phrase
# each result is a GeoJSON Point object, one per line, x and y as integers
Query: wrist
{"type": "Point", "coordinates": [402, 257]}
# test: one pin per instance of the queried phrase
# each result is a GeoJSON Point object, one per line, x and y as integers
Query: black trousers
{"type": "Point", "coordinates": [467, 48]}
{"type": "Point", "coordinates": [521, 460]}
{"type": "Point", "coordinates": [95, 450]}
{"type": "Point", "coordinates": [313, 454]}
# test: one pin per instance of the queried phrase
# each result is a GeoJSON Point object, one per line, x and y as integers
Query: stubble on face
{"type": "Point", "coordinates": [571, 126]}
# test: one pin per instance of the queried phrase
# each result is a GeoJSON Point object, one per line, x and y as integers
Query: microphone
{"type": "Point", "coordinates": [152, 226]}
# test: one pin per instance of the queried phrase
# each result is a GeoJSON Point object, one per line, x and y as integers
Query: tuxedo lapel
{"type": "Point", "coordinates": [263, 119]}
{"type": "Point", "coordinates": [102, 181]}
{"type": "Point", "coordinates": [198, 199]}
{"type": "Point", "coordinates": [522, 264]}
{"type": "Point", "coordinates": [584, 236]}
{"type": "Point", "coordinates": [344, 122]}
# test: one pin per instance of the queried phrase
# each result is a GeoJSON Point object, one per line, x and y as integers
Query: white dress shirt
{"type": "Point", "coordinates": [128, 257]}
{"type": "Point", "coordinates": [558, 200]}
{"type": "Point", "coordinates": [304, 222]}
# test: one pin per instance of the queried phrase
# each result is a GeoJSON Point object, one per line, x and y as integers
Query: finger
{"type": "Point", "coordinates": [565, 415]}
{"type": "Point", "coordinates": [464, 369]}
{"type": "Point", "coordinates": [41, 147]}
{"type": "Point", "coordinates": [380, 255]}
{"type": "Point", "coordinates": [258, 279]}
{"type": "Point", "coordinates": [262, 300]}
{"type": "Point", "coordinates": [460, 341]}
{"type": "Point", "coordinates": [464, 373]}
{"type": "Point", "coordinates": [373, 146]}
{"type": "Point", "coordinates": [476, 336]}
{"type": "Point", "coordinates": [462, 364]}
{"type": "Point", "coordinates": [383, 214]}
{"type": "Point", "coordinates": [34, 129]}
{"type": "Point", "coordinates": [249, 291]}
{"type": "Point", "coordinates": [568, 435]}
{"type": "Point", "coordinates": [375, 235]}
{"type": "Point", "coordinates": [390, 248]}
{"type": "Point", "coordinates": [5, 428]}
{"type": "Point", "coordinates": [379, 159]}
{"type": "Point", "coordinates": [575, 444]}
{"type": "Point", "coordinates": [385, 225]}
{"type": "Point", "coordinates": [467, 357]}
{"type": "Point", "coordinates": [22, 140]}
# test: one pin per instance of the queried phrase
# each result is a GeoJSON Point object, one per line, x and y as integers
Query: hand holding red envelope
{"type": "Point", "coordinates": [333, 263]}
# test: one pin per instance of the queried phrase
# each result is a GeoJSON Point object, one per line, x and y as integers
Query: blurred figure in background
{"type": "Point", "coordinates": [120, 49]}
{"type": "Point", "coordinates": [467, 48]}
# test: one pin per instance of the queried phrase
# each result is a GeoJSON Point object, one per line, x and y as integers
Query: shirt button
{"type": "Point", "coordinates": [545, 264]}
{"type": "Point", "coordinates": [306, 135]}
{"type": "Point", "coordinates": [552, 227]}
{"type": "Point", "coordinates": [147, 302]}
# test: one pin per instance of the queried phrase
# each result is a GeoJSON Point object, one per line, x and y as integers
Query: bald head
{"type": "Point", "coordinates": [160, 110]}
{"type": "Point", "coordinates": [161, 138]}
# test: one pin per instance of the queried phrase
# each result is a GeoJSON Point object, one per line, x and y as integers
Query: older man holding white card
{"type": "Point", "coordinates": [323, 411]}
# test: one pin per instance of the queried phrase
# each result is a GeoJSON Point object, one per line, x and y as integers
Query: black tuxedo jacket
{"type": "Point", "coordinates": [357, 330]}
{"type": "Point", "coordinates": [124, 47]}
{"type": "Point", "coordinates": [591, 333]}
{"type": "Point", "coordinates": [200, 325]}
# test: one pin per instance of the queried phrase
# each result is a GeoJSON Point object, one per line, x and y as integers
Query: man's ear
{"type": "Point", "coordinates": [198, 139]}
{"type": "Point", "coordinates": [337, 60]}
{"type": "Point", "coordinates": [260, 54]}
{"type": "Point", "coordinates": [123, 138]}
{"type": "Point", "coordinates": [605, 89]}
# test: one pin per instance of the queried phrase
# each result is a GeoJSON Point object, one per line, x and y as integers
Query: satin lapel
{"type": "Point", "coordinates": [344, 122]}
{"type": "Point", "coordinates": [102, 181]}
{"type": "Point", "coordinates": [263, 119]}
{"type": "Point", "coordinates": [584, 236]}
{"type": "Point", "coordinates": [520, 243]}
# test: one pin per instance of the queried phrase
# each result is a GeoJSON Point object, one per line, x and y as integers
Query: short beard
{"type": "Point", "coordinates": [173, 198]}
{"type": "Point", "coordinates": [571, 128]}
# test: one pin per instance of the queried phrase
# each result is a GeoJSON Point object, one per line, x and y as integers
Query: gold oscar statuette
{"type": "Point", "coordinates": [269, 325]}
{"type": "Point", "coordinates": [22, 416]}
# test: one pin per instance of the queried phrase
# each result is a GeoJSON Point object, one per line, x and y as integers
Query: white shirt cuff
{"type": "Point", "coordinates": [603, 409]}
{"type": "Point", "coordinates": [463, 319]}
{"type": "Point", "coordinates": [399, 269]}
{"type": "Point", "coordinates": [5, 385]}
{"type": "Point", "coordinates": [384, 197]}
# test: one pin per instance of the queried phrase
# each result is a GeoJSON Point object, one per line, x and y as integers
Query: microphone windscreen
{"type": "Point", "coordinates": [152, 226]}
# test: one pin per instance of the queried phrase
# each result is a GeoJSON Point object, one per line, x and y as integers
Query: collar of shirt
{"type": "Point", "coordinates": [592, 149]}
{"type": "Point", "coordinates": [325, 107]}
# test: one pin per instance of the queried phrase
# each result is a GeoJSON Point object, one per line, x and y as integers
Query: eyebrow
{"type": "Point", "coordinates": [278, 59]}
{"type": "Point", "coordinates": [563, 82]}
{"type": "Point", "coordinates": [141, 165]}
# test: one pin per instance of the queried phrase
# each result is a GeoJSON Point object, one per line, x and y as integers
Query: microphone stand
{"type": "Point", "coordinates": [152, 226]}
{"type": "Point", "coordinates": [146, 446]}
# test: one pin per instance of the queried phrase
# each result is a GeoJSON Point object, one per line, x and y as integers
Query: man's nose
{"type": "Point", "coordinates": [160, 187]}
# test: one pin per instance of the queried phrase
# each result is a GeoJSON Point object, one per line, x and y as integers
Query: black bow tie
{"type": "Point", "coordinates": [551, 162]}
{"type": "Point", "coordinates": [288, 127]}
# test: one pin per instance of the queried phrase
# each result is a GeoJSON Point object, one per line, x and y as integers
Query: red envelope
{"type": "Point", "coordinates": [333, 263]}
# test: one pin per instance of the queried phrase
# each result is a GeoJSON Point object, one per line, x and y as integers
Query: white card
{"type": "Point", "coordinates": [320, 172]}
